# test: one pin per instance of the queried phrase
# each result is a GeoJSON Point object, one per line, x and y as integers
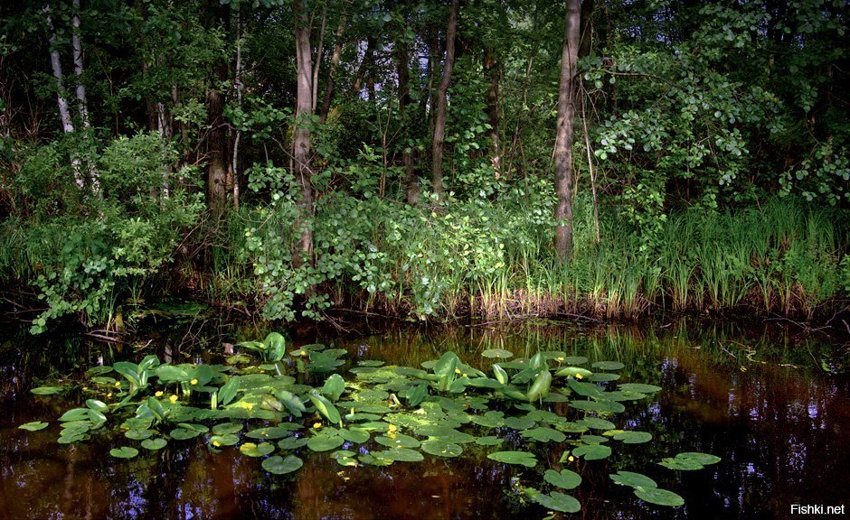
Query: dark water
{"type": "Point", "coordinates": [776, 407]}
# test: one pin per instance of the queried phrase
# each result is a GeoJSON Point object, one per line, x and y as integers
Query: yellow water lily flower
{"type": "Point", "coordinates": [579, 376]}
{"type": "Point", "coordinates": [216, 444]}
{"type": "Point", "coordinates": [571, 458]}
{"type": "Point", "coordinates": [317, 425]}
{"type": "Point", "coordinates": [158, 393]}
{"type": "Point", "coordinates": [193, 382]}
{"type": "Point", "coordinates": [172, 398]}
{"type": "Point", "coordinates": [392, 428]}
{"type": "Point", "coordinates": [457, 371]}
{"type": "Point", "coordinates": [117, 384]}
{"type": "Point", "coordinates": [109, 394]}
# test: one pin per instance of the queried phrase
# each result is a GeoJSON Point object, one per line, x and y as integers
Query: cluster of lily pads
{"type": "Point", "coordinates": [379, 416]}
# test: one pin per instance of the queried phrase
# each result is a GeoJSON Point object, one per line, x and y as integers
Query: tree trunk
{"type": "Point", "coordinates": [491, 70]}
{"type": "Point", "coordinates": [564, 136]}
{"type": "Point", "coordinates": [335, 57]}
{"type": "Point", "coordinates": [318, 63]}
{"type": "Point", "coordinates": [411, 179]}
{"type": "Point", "coordinates": [301, 141]}
{"type": "Point", "coordinates": [217, 165]}
{"type": "Point", "coordinates": [440, 116]}
{"type": "Point", "coordinates": [78, 66]}
{"type": "Point", "coordinates": [61, 100]}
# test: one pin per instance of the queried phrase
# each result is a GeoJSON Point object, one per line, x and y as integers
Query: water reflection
{"type": "Point", "coordinates": [781, 432]}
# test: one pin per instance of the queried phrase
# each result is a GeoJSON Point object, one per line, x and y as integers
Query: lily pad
{"type": "Point", "coordinates": [228, 427]}
{"type": "Point", "coordinates": [281, 465]}
{"type": "Point", "coordinates": [598, 406]}
{"type": "Point", "coordinates": [270, 433]}
{"type": "Point", "coordinates": [325, 442]}
{"type": "Point", "coordinates": [404, 455]}
{"type": "Point", "coordinates": [592, 451]}
{"type": "Point", "coordinates": [228, 439]}
{"type": "Point", "coordinates": [597, 424]}
{"type": "Point", "coordinates": [639, 387]}
{"type": "Point", "coordinates": [659, 496]}
{"type": "Point", "coordinates": [292, 443]}
{"type": "Point", "coordinates": [632, 479]}
{"type": "Point", "coordinates": [633, 437]}
{"type": "Point", "coordinates": [556, 501]}
{"type": "Point", "coordinates": [256, 450]}
{"type": "Point", "coordinates": [398, 440]}
{"type": "Point", "coordinates": [497, 353]}
{"type": "Point", "coordinates": [441, 448]}
{"type": "Point", "coordinates": [138, 435]}
{"type": "Point", "coordinates": [565, 479]}
{"type": "Point", "coordinates": [34, 426]}
{"type": "Point", "coordinates": [124, 452]}
{"type": "Point", "coordinates": [182, 434]}
{"type": "Point", "coordinates": [154, 444]}
{"type": "Point", "coordinates": [544, 434]}
{"type": "Point", "coordinates": [522, 458]}
{"type": "Point", "coordinates": [489, 440]}
{"type": "Point", "coordinates": [356, 435]}
{"type": "Point", "coordinates": [608, 365]}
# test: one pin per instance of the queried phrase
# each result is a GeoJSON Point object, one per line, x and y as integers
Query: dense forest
{"type": "Point", "coordinates": [424, 159]}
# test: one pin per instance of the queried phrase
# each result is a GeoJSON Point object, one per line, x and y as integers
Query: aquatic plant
{"type": "Point", "coordinates": [380, 415]}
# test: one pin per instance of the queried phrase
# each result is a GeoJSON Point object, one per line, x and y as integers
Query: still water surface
{"type": "Point", "coordinates": [774, 406]}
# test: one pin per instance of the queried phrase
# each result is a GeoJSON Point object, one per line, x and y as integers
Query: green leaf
{"type": "Point", "coordinates": [565, 479]}
{"type": "Point", "coordinates": [324, 442]}
{"type": "Point", "coordinates": [576, 372]}
{"type": "Point", "coordinates": [138, 435]}
{"type": "Point", "coordinates": [633, 437]}
{"type": "Point", "coordinates": [597, 424]}
{"type": "Point", "coordinates": [34, 426]}
{"type": "Point", "coordinates": [228, 391]}
{"type": "Point", "coordinates": [639, 387]}
{"type": "Point", "coordinates": [280, 466]}
{"type": "Point", "coordinates": [182, 434]}
{"type": "Point", "coordinates": [46, 390]}
{"type": "Point", "coordinates": [171, 373]}
{"type": "Point", "coordinates": [522, 458]}
{"type": "Point", "coordinates": [660, 497]}
{"type": "Point", "coordinates": [541, 385]}
{"type": "Point", "coordinates": [228, 427]}
{"type": "Point", "coordinates": [96, 405]}
{"type": "Point", "coordinates": [256, 450]}
{"type": "Point", "coordinates": [399, 440]}
{"type": "Point", "coordinates": [124, 452]}
{"type": "Point", "coordinates": [400, 454]}
{"type": "Point", "coordinates": [228, 439]}
{"type": "Point", "coordinates": [441, 448]}
{"type": "Point", "coordinates": [334, 387]}
{"type": "Point", "coordinates": [592, 451]}
{"type": "Point", "coordinates": [556, 501]}
{"type": "Point", "coordinates": [632, 479]}
{"type": "Point", "coordinates": [608, 365]}
{"type": "Point", "coordinates": [355, 435]}
{"type": "Point", "coordinates": [544, 434]}
{"type": "Point", "coordinates": [500, 374]}
{"type": "Point", "coordinates": [271, 432]}
{"type": "Point", "coordinates": [598, 406]}
{"type": "Point", "coordinates": [75, 414]}
{"type": "Point", "coordinates": [154, 444]}
{"type": "Point", "coordinates": [489, 440]}
{"type": "Point", "coordinates": [497, 353]}
{"type": "Point", "coordinates": [325, 407]}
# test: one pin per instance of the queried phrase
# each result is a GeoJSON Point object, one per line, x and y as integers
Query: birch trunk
{"type": "Point", "coordinates": [438, 142]}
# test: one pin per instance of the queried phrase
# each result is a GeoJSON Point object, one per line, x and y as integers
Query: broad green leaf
{"type": "Point", "coordinates": [256, 450]}
{"type": "Point", "coordinates": [608, 365]}
{"type": "Point", "coordinates": [228, 439]}
{"type": "Point", "coordinates": [564, 479]}
{"type": "Point", "coordinates": [46, 390]}
{"type": "Point", "coordinates": [659, 496]}
{"type": "Point", "coordinates": [323, 442]}
{"type": "Point", "coordinates": [556, 501]}
{"type": "Point", "coordinates": [34, 426]}
{"type": "Point", "coordinates": [154, 444]}
{"type": "Point", "coordinates": [124, 452]}
{"type": "Point", "coordinates": [632, 479]}
{"type": "Point", "coordinates": [497, 353]}
{"type": "Point", "coordinates": [228, 391]}
{"type": "Point", "coordinates": [280, 466]}
{"type": "Point", "coordinates": [633, 437]}
{"type": "Point", "coordinates": [325, 407]}
{"type": "Point", "coordinates": [441, 448]}
{"type": "Point", "coordinates": [522, 458]}
{"type": "Point", "coordinates": [592, 451]}
{"type": "Point", "coordinates": [334, 387]}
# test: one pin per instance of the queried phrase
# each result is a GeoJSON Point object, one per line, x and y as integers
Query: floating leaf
{"type": "Point", "coordinates": [403, 455]}
{"type": "Point", "coordinates": [608, 365]}
{"type": "Point", "coordinates": [603, 377]}
{"type": "Point", "coordinates": [565, 479]}
{"type": "Point", "coordinates": [632, 479]}
{"type": "Point", "coordinates": [154, 444]}
{"type": "Point", "coordinates": [34, 426]}
{"type": "Point", "coordinates": [292, 443]}
{"type": "Point", "coordinates": [124, 452]}
{"type": "Point", "coordinates": [279, 465]}
{"type": "Point", "coordinates": [272, 432]}
{"type": "Point", "coordinates": [46, 390]}
{"type": "Point", "coordinates": [575, 360]}
{"type": "Point", "coordinates": [597, 424]}
{"type": "Point", "coordinates": [639, 387]}
{"type": "Point", "coordinates": [228, 439]}
{"type": "Point", "coordinates": [182, 434]}
{"type": "Point", "coordinates": [544, 434]}
{"type": "Point", "coordinates": [633, 437]}
{"type": "Point", "coordinates": [228, 427]}
{"type": "Point", "coordinates": [497, 353]}
{"type": "Point", "coordinates": [171, 373]}
{"type": "Point", "coordinates": [441, 448]}
{"type": "Point", "coordinates": [75, 414]}
{"type": "Point", "coordinates": [522, 458]}
{"type": "Point", "coordinates": [519, 423]}
{"type": "Point", "coordinates": [324, 442]}
{"type": "Point", "coordinates": [660, 497]}
{"type": "Point", "coordinates": [489, 440]}
{"type": "Point", "coordinates": [592, 451]}
{"type": "Point", "coordinates": [556, 501]}
{"type": "Point", "coordinates": [398, 440]}
{"type": "Point", "coordinates": [689, 461]}
{"type": "Point", "coordinates": [598, 406]}
{"type": "Point", "coordinates": [256, 450]}
{"type": "Point", "coordinates": [706, 459]}
{"type": "Point", "coordinates": [138, 435]}
{"type": "Point", "coordinates": [356, 435]}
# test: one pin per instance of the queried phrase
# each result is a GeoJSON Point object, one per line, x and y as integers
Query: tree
{"type": "Point", "coordinates": [438, 142]}
{"type": "Point", "coordinates": [564, 132]}
{"type": "Point", "coordinates": [301, 141]}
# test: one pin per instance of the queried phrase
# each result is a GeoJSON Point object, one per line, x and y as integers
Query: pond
{"type": "Point", "coordinates": [774, 405]}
